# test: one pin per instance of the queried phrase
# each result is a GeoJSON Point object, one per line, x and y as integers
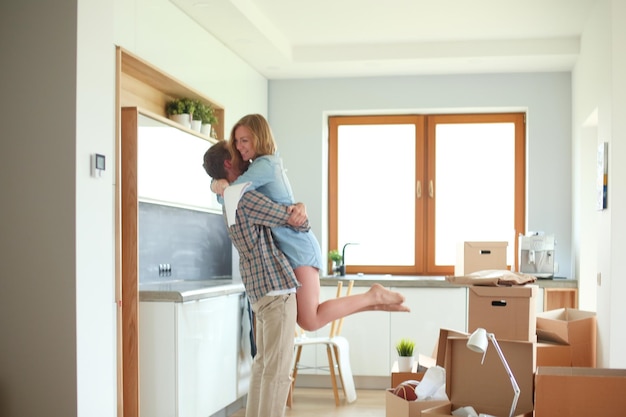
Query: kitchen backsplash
{"type": "Point", "coordinates": [182, 244]}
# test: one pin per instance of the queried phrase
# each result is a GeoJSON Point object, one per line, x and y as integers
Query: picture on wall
{"type": "Point", "coordinates": [602, 176]}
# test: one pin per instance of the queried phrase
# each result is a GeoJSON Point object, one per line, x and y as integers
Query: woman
{"type": "Point", "coordinates": [252, 143]}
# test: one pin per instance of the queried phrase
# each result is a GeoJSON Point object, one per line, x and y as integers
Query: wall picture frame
{"type": "Point", "coordinates": [602, 176]}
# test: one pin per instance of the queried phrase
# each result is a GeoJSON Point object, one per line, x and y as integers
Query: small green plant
{"type": "Point", "coordinates": [181, 106]}
{"type": "Point", "coordinates": [405, 347]}
{"type": "Point", "coordinates": [174, 107]}
{"type": "Point", "coordinates": [334, 256]}
{"type": "Point", "coordinates": [190, 106]}
{"type": "Point", "coordinates": [205, 113]}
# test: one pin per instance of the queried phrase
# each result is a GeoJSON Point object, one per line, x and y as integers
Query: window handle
{"type": "Point", "coordinates": [431, 189]}
{"type": "Point", "coordinates": [418, 189]}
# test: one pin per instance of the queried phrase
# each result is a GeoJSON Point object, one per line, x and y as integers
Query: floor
{"type": "Point", "coordinates": [313, 402]}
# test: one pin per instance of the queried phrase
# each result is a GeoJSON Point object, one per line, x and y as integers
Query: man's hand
{"type": "Point", "coordinates": [298, 214]}
{"type": "Point", "coordinates": [218, 186]}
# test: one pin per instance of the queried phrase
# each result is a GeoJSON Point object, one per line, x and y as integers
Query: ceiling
{"type": "Point", "coordinates": [350, 38]}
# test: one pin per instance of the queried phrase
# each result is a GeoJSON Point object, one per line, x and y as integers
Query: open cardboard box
{"type": "Point", "coordinates": [485, 387]}
{"type": "Point", "coordinates": [399, 407]}
{"type": "Point", "coordinates": [553, 354]}
{"type": "Point", "coordinates": [507, 312]}
{"type": "Point", "coordinates": [572, 327]}
{"type": "Point", "coordinates": [580, 392]}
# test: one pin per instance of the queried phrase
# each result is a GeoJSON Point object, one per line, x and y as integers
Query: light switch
{"type": "Point", "coordinates": [98, 165]}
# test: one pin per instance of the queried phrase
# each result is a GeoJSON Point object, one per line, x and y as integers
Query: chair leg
{"type": "Point", "coordinates": [343, 387]}
{"type": "Point", "coordinates": [333, 379]}
{"type": "Point", "coordinates": [294, 375]}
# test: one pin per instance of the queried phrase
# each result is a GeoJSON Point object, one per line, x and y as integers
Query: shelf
{"type": "Point", "coordinates": [144, 86]}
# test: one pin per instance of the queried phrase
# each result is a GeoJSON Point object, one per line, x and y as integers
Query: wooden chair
{"type": "Point", "coordinates": [337, 350]}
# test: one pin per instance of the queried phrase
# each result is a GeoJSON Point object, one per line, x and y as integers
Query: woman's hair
{"type": "Point", "coordinates": [262, 138]}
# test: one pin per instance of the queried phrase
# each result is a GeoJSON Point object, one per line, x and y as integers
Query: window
{"type": "Point", "coordinates": [408, 188]}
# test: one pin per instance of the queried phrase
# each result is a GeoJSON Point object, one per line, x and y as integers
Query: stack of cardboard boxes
{"type": "Point", "coordinates": [551, 354]}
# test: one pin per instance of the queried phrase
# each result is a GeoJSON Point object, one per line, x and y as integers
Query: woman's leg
{"type": "Point", "coordinates": [313, 315]}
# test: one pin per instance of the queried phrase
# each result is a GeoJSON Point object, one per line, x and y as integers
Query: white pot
{"type": "Point", "coordinates": [196, 125]}
{"type": "Point", "coordinates": [184, 119]}
{"type": "Point", "coordinates": [206, 129]}
{"type": "Point", "coordinates": [405, 363]}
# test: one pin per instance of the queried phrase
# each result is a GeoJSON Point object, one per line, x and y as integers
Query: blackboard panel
{"type": "Point", "coordinates": [194, 243]}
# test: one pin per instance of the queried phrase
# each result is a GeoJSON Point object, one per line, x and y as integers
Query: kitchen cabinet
{"type": "Point", "coordinates": [141, 88]}
{"type": "Point", "coordinates": [169, 165]}
{"type": "Point", "coordinates": [188, 356]}
{"type": "Point", "coordinates": [372, 335]}
{"type": "Point", "coordinates": [554, 298]}
{"type": "Point", "coordinates": [367, 334]}
{"type": "Point", "coordinates": [431, 310]}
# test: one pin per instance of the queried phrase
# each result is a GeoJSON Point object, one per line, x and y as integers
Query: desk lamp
{"type": "Point", "coordinates": [478, 342]}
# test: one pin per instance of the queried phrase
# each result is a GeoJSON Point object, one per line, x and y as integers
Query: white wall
{"type": "Point", "coordinates": [57, 306]}
{"type": "Point", "coordinates": [298, 109]}
{"type": "Point", "coordinates": [157, 31]}
{"type": "Point", "coordinates": [599, 85]}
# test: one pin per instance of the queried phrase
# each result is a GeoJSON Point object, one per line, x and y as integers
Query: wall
{"type": "Point", "coordinates": [298, 109]}
{"type": "Point", "coordinates": [599, 90]}
{"type": "Point", "coordinates": [56, 222]}
{"type": "Point", "coordinates": [57, 304]}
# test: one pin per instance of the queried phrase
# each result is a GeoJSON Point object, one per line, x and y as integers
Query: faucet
{"type": "Point", "coordinates": [342, 268]}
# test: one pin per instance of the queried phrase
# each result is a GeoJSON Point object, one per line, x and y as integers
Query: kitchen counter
{"type": "Point", "coordinates": [182, 291]}
{"type": "Point", "coordinates": [365, 280]}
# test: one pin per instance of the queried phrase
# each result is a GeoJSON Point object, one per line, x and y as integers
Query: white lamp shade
{"type": "Point", "coordinates": [478, 342]}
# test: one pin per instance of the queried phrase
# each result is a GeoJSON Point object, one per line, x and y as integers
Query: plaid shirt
{"type": "Point", "coordinates": [263, 266]}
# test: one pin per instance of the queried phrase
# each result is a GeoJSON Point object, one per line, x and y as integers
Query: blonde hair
{"type": "Point", "coordinates": [262, 138]}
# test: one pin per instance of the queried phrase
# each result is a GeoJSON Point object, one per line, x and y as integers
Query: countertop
{"type": "Point", "coordinates": [365, 280]}
{"type": "Point", "coordinates": [183, 291]}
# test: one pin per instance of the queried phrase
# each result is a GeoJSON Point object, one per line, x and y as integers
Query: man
{"type": "Point", "coordinates": [270, 285]}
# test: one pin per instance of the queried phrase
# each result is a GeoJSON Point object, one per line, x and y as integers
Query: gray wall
{"type": "Point", "coordinates": [298, 109]}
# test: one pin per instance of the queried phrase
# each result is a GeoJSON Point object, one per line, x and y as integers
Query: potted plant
{"type": "Point", "coordinates": [196, 116]}
{"type": "Point", "coordinates": [206, 114]}
{"type": "Point", "coordinates": [335, 258]}
{"type": "Point", "coordinates": [405, 348]}
{"type": "Point", "coordinates": [180, 110]}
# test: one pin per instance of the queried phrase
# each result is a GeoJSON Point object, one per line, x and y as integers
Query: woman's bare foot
{"type": "Point", "coordinates": [382, 295]}
{"type": "Point", "coordinates": [391, 307]}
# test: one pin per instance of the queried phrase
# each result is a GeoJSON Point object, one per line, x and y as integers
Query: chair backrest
{"type": "Point", "coordinates": [335, 327]}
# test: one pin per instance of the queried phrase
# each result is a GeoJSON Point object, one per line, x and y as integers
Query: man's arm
{"type": "Point", "coordinates": [262, 211]}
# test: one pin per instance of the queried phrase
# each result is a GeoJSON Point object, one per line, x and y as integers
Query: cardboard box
{"type": "Point", "coordinates": [580, 392]}
{"type": "Point", "coordinates": [507, 312]}
{"type": "Point", "coordinates": [572, 327]}
{"type": "Point", "coordinates": [553, 354]}
{"type": "Point", "coordinates": [479, 256]}
{"type": "Point", "coordinates": [487, 387]}
{"type": "Point", "coordinates": [417, 373]}
{"type": "Point", "coordinates": [399, 407]}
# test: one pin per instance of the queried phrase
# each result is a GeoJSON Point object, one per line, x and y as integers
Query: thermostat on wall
{"type": "Point", "coordinates": [98, 164]}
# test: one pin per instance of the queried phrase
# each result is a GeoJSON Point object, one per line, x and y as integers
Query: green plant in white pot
{"type": "Point", "coordinates": [406, 359]}
{"type": "Point", "coordinates": [180, 110]}
{"type": "Point", "coordinates": [206, 114]}
{"type": "Point", "coordinates": [335, 258]}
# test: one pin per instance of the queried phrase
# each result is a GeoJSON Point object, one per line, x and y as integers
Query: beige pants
{"type": "Point", "coordinates": [271, 368]}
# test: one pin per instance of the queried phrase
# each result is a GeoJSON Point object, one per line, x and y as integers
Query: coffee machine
{"type": "Point", "coordinates": [537, 254]}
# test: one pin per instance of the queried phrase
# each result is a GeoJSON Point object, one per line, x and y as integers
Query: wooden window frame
{"type": "Point", "coordinates": [425, 172]}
